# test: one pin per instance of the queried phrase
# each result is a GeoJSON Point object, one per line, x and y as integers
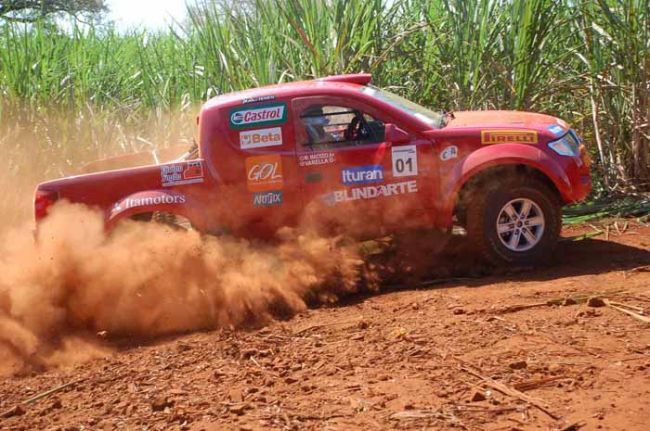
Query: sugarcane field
{"type": "Point", "coordinates": [325, 214]}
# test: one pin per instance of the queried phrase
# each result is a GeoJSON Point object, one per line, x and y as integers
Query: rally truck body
{"type": "Point", "coordinates": [340, 150]}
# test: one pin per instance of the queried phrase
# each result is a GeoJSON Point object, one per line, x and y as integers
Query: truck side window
{"type": "Point", "coordinates": [337, 126]}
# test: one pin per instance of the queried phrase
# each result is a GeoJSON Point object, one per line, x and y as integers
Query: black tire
{"type": "Point", "coordinates": [487, 206]}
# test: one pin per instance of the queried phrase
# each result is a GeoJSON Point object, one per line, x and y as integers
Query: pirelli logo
{"type": "Point", "coordinates": [501, 136]}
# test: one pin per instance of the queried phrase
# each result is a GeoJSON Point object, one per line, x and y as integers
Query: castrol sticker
{"type": "Point", "coordinates": [260, 138]}
{"type": "Point", "coordinates": [259, 115]}
{"type": "Point", "coordinates": [264, 173]}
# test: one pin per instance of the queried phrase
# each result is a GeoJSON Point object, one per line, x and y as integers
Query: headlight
{"type": "Point", "coordinates": [568, 145]}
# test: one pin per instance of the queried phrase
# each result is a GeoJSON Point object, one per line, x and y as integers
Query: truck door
{"type": "Point", "coordinates": [351, 175]}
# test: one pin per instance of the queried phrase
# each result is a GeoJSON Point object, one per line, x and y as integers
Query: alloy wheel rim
{"type": "Point", "coordinates": [520, 224]}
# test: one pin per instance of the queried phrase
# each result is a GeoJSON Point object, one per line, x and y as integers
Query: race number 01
{"type": "Point", "coordinates": [405, 161]}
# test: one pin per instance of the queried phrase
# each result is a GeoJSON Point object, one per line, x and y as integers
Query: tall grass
{"type": "Point", "coordinates": [586, 61]}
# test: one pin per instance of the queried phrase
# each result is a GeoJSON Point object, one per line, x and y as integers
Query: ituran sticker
{"type": "Point", "coordinates": [260, 115]}
{"type": "Point", "coordinates": [260, 138]}
{"type": "Point", "coordinates": [451, 152]}
{"type": "Point", "coordinates": [405, 161]}
{"type": "Point", "coordinates": [362, 175]}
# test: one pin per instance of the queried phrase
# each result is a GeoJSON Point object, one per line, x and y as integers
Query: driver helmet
{"type": "Point", "coordinates": [314, 116]}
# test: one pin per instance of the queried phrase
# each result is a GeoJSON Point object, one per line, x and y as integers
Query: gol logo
{"type": "Point", "coordinates": [264, 173]}
{"type": "Point", "coordinates": [499, 136]}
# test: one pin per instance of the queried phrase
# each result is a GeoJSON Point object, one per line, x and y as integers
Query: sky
{"type": "Point", "coordinates": [149, 14]}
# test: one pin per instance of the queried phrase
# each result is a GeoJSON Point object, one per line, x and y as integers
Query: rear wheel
{"type": "Point", "coordinates": [172, 220]}
{"type": "Point", "coordinates": [514, 222]}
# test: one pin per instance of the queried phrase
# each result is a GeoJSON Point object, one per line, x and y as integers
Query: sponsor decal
{"type": "Point", "coordinates": [370, 192]}
{"type": "Point", "coordinates": [555, 129]}
{"type": "Point", "coordinates": [261, 115]}
{"type": "Point", "coordinates": [246, 100]}
{"type": "Point", "coordinates": [500, 136]}
{"type": "Point", "coordinates": [260, 138]}
{"type": "Point", "coordinates": [264, 173]}
{"type": "Point", "coordinates": [451, 152]}
{"type": "Point", "coordinates": [267, 199]}
{"type": "Point", "coordinates": [405, 161]}
{"type": "Point", "coordinates": [161, 199]}
{"type": "Point", "coordinates": [362, 175]}
{"type": "Point", "coordinates": [316, 159]}
{"type": "Point", "coordinates": [181, 173]}
{"type": "Point", "coordinates": [313, 177]}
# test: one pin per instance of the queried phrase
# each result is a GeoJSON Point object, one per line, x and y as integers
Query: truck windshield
{"type": "Point", "coordinates": [433, 119]}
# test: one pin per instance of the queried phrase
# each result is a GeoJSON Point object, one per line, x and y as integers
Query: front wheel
{"type": "Point", "coordinates": [515, 222]}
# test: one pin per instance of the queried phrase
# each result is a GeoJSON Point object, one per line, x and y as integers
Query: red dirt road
{"type": "Point", "coordinates": [417, 358]}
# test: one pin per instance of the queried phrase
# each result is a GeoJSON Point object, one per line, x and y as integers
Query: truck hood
{"type": "Point", "coordinates": [503, 119]}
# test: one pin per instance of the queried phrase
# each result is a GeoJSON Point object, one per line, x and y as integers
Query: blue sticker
{"type": "Point", "coordinates": [267, 199]}
{"type": "Point", "coordinates": [555, 129]}
{"type": "Point", "coordinates": [362, 175]}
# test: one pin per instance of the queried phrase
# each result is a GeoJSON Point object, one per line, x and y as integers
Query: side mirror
{"type": "Point", "coordinates": [395, 135]}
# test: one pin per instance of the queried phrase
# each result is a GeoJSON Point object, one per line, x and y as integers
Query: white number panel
{"type": "Point", "coordinates": [405, 161]}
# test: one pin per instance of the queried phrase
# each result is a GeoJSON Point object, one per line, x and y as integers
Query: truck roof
{"type": "Point", "coordinates": [292, 89]}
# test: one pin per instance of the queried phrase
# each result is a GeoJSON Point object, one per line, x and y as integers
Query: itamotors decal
{"type": "Point", "coordinates": [158, 199]}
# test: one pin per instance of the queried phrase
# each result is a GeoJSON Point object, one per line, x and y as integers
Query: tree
{"type": "Point", "coordinates": [31, 10]}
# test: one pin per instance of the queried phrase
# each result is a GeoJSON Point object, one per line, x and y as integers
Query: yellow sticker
{"type": "Point", "coordinates": [501, 136]}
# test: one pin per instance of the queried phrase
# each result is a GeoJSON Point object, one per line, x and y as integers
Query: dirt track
{"type": "Point", "coordinates": [416, 358]}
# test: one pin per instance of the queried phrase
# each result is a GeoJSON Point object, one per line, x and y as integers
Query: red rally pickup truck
{"type": "Point", "coordinates": [355, 158]}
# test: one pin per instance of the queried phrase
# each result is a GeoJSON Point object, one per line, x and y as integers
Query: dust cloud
{"type": "Point", "coordinates": [147, 279]}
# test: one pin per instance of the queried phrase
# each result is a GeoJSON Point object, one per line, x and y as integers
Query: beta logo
{"type": "Point", "coordinates": [264, 173]}
{"type": "Point", "coordinates": [267, 199]}
{"type": "Point", "coordinates": [260, 138]}
{"type": "Point", "coordinates": [260, 115]}
{"type": "Point", "coordinates": [362, 175]}
{"type": "Point", "coordinates": [500, 136]}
